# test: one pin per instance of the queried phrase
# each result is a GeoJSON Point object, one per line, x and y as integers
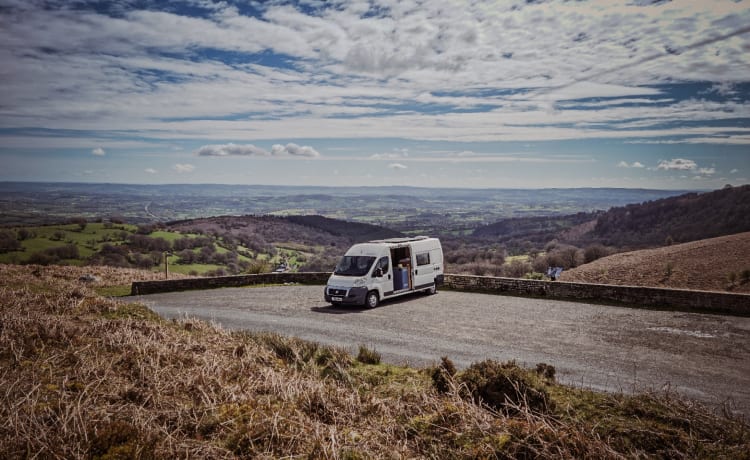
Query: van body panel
{"type": "Point", "coordinates": [391, 268]}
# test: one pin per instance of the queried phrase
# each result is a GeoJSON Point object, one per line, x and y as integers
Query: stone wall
{"type": "Point", "coordinates": [677, 299]}
{"type": "Point", "coordinates": [153, 287]}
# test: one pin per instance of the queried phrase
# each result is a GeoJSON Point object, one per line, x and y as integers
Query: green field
{"type": "Point", "coordinates": [90, 239]}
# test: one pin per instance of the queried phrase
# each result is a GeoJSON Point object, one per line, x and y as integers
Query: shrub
{"type": "Point", "coordinates": [504, 386]}
{"type": "Point", "coordinates": [517, 268]}
{"type": "Point", "coordinates": [120, 439]}
{"type": "Point", "coordinates": [80, 221]}
{"type": "Point", "coordinates": [259, 266]}
{"type": "Point", "coordinates": [8, 242]}
{"type": "Point", "coordinates": [594, 252]}
{"type": "Point", "coordinates": [24, 234]}
{"type": "Point", "coordinates": [368, 356]}
{"type": "Point", "coordinates": [546, 371]}
{"type": "Point", "coordinates": [443, 374]}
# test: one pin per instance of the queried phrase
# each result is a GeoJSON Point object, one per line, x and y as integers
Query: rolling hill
{"type": "Point", "coordinates": [715, 264]}
{"type": "Point", "coordinates": [679, 219]}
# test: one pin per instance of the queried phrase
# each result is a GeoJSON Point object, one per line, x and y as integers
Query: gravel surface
{"type": "Point", "coordinates": [705, 357]}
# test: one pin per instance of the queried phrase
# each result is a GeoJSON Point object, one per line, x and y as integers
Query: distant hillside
{"type": "Point", "coordinates": [679, 219]}
{"type": "Point", "coordinates": [535, 229]}
{"type": "Point", "coordinates": [715, 264]}
{"type": "Point", "coordinates": [356, 231]}
{"type": "Point", "coordinates": [207, 246]}
{"type": "Point", "coordinates": [306, 230]}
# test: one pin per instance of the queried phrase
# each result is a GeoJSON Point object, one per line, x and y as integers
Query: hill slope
{"type": "Point", "coordinates": [704, 265]}
{"type": "Point", "coordinates": [688, 217]}
{"type": "Point", "coordinates": [307, 230]}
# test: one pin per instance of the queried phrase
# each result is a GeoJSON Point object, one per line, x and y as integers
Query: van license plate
{"type": "Point", "coordinates": [337, 299]}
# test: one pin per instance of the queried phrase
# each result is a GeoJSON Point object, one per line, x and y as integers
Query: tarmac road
{"type": "Point", "coordinates": [705, 357]}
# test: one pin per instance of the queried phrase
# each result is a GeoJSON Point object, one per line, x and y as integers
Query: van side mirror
{"type": "Point", "coordinates": [378, 273]}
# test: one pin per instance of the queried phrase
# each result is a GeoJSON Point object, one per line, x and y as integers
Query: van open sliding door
{"type": "Point", "coordinates": [402, 269]}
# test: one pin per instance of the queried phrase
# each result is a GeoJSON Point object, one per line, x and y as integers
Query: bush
{"type": "Point", "coordinates": [517, 268]}
{"type": "Point", "coordinates": [259, 266]}
{"type": "Point", "coordinates": [443, 374]}
{"type": "Point", "coordinates": [505, 387]}
{"type": "Point", "coordinates": [368, 356]}
{"type": "Point", "coordinates": [52, 256]}
{"type": "Point", "coordinates": [594, 252]}
{"type": "Point", "coordinates": [121, 439]}
{"type": "Point", "coordinates": [8, 242]}
{"type": "Point", "coordinates": [546, 371]}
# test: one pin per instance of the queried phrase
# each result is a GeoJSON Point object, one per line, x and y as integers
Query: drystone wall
{"type": "Point", "coordinates": [186, 284]}
{"type": "Point", "coordinates": [643, 297]}
{"type": "Point", "coordinates": [636, 296]}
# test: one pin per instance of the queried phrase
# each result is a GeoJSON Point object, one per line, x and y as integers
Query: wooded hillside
{"type": "Point", "coordinates": [689, 217]}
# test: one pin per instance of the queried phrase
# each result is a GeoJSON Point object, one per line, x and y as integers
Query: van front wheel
{"type": "Point", "coordinates": [372, 300]}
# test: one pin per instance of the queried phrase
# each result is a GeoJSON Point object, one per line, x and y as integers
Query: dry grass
{"type": "Point", "coordinates": [715, 264]}
{"type": "Point", "coordinates": [82, 376]}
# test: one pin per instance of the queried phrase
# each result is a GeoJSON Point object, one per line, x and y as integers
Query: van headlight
{"type": "Point", "coordinates": [359, 282]}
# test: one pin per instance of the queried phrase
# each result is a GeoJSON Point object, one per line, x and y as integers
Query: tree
{"type": "Point", "coordinates": [594, 252]}
{"type": "Point", "coordinates": [9, 242]}
{"type": "Point", "coordinates": [80, 221]}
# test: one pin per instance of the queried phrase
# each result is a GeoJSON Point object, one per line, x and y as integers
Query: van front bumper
{"type": "Point", "coordinates": [350, 296]}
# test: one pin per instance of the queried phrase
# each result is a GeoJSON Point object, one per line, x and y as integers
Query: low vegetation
{"type": "Point", "coordinates": [84, 376]}
{"type": "Point", "coordinates": [714, 264]}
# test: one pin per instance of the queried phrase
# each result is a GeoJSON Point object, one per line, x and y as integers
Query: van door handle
{"type": "Point", "coordinates": [416, 272]}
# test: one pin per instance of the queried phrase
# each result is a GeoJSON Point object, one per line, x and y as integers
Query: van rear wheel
{"type": "Point", "coordinates": [372, 300]}
{"type": "Point", "coordinates": [432, 290]}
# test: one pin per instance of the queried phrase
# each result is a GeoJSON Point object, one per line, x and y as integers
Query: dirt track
{"type": "Point", "coordinates": [608, 348]}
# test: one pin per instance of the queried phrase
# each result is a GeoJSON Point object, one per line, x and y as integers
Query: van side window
{"type": "Point", "coordinates": [383, 264]}
{"type": "Point", "coordinates": [423, 258]}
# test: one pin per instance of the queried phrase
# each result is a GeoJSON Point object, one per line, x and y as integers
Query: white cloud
{"type": "Point", "coordinates": [231, 150]}
{"type": "Point", "coordinates": [734, 171]}
{"type": "Point", "coordinates": [183, 168]}
{"type": "Point", "coordinates": [150, 171]}
{"type": "Point", "coordinates": [397, 166]}
{"type": "Point", "coordinates": [635, 164]}
{"type": "Point", "coordinates": [277, 150]}
{"type": "Point", "coordinates": [678, 164]}
{"type": "Point", "coordinates": [394, 155]}
{"type": "Point", "coordinates": [294, 150]}
{"type": "Point", "coordinates": [706, 171]}
{"type": "Point", "coordinates": [98, 152]}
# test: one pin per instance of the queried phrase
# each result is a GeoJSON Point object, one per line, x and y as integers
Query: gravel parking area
{"type": "Point", "coordinates": [702, 356]}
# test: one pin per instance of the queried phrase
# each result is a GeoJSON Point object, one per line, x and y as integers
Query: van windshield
{"type": "Point", "coordinates": [354, 265]}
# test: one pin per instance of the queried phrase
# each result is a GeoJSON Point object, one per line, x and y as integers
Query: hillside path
{"type": "Point", "coordinates": [705, 357]}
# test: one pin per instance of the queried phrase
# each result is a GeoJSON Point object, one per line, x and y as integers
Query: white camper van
{"type": "Point", "coordinates": [371, 272]}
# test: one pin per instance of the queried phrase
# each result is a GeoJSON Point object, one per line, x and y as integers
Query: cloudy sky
{"type": "Point", "coordinates": [436, 93]}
